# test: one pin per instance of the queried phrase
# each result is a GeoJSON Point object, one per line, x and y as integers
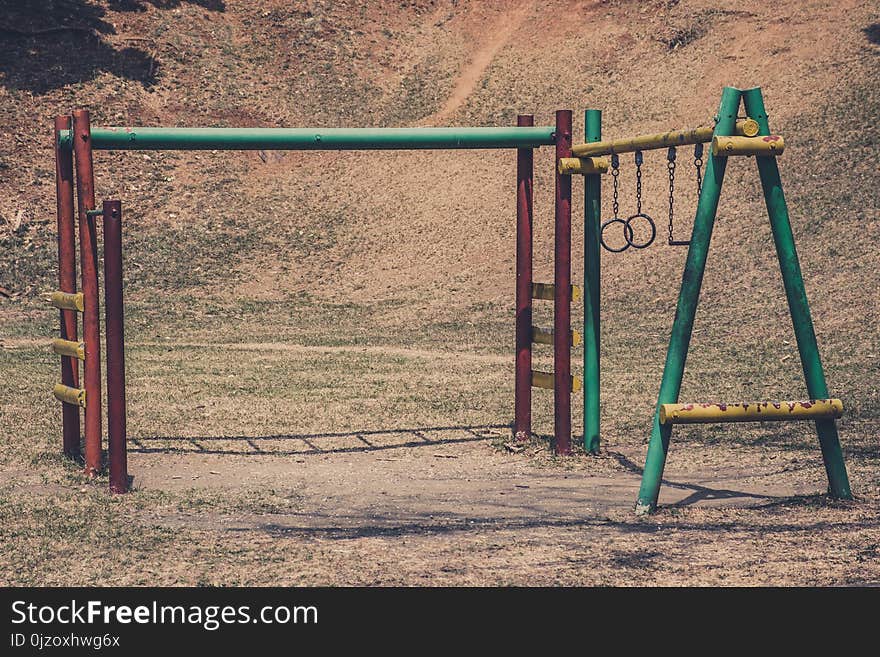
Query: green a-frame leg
{"type": "Point", "coordinates": [676, 355]}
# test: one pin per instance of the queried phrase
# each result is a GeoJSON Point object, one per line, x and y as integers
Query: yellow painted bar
{"type": "Point", "coordinates": [583, 165]}
{"type": "Point", "coordinates": [814, 409]}
{"type": "Point", "coordinates": [68, 395]}
{"type": "Point", "coordinates": [744, 127]}
{"type": "Point", "coordinates": [546, 291]}
{"type": "Point", "coordinates": [66, 300]}
{"type": "Point", "coordinates": [542, 335]}
{"type": "Point", "coordinates": [69, 348]}
{"type": "Point", "coordinates": [545, 380]}
{"type": "Point", "coordinates": [769, 145]}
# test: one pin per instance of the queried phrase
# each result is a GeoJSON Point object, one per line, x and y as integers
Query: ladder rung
{"type": "Point", "coordinates": [546, 380]}
{"type": "Point", "coordinates": [542, 335]}
{"type": "Point", "coordinates": [769, 145]}
{"type": "Point", "coordinates": [68, 395]}
{"type": "Point", "coordinates": [67, 300]}
{"type": "Point", "coordinates": [69, 348]}
{"type": "Point", "coordinates": [582, 165]}
{"type": "Point", "coordinates": [813, 409]}
{"type": "Point", "coordinates": [547, 291]}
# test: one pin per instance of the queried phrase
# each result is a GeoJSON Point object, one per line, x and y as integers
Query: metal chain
{"type": "Point", "coordinates": [638, 182]}
{"type": "Point", "coordinates": [670, 164]}
{"type": "Point", "coordinates": [615, 174]}
{"type": "Point", "coordinates": [698, 164]}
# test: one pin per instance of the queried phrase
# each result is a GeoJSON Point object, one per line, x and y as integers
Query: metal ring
{"type": "Point", "coordinates": [627, 235]}
{"type": "Point", "coordinates": [631, 233]}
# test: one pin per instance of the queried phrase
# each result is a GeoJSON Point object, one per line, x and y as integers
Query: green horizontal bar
{"type": "Point", "coordinates": [313, 139]}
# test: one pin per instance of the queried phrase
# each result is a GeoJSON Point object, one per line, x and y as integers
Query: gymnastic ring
{"type": "Point", "coordinates": [626, 229]}
{"type": "Point", "coordinates": [629, 236]}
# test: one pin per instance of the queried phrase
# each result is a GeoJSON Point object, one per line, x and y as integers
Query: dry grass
{"type": "Point", "coordinates": [319, 344]}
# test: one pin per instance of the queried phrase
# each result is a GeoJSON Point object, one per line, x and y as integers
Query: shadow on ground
{"type": "Point", "coordinates": [366, 441]}
{"type": "Point", "coordinates": [49, 44]}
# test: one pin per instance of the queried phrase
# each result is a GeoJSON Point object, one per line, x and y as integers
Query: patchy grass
{"type": "Point", "coordinates": [319, 348]}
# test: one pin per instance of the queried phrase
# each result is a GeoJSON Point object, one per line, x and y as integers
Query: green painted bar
{"type": "Point", "coordinates": [592, 287]}
{"type": "Point", "coordinates": [817, 388]}
{"type": "Point", "coordinates": [314, 139]}
{"type": "Point", "coordinates": [686, 309]}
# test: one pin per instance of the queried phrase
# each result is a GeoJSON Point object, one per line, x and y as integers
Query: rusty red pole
{"type": "Point", "coordinates": [522, 425]}
{"type": "Point", "coordinates": [114, 335]}
{"type": "Point", "coordinates": [66, 281]}
{"type": "Point", "coordinates": [88, 243]}
{"type": "Point", "coordinates": [562, 287]}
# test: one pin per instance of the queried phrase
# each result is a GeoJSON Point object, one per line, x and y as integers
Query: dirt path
{"type": "Point", "coordinates": [497, 35]}
{"type": "Point", "coordinates": [29, 343]}
{"type": "Point", "coordinates": [369, 479]}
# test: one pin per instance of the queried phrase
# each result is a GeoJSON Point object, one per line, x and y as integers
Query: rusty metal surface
{"type": "Point", "coordinates": [524, 187]}
{"type": "Point", "coordinates": [70, 427]}
{"type": "Point", "coordinates": [562, 287]}
{"type": "Point", "coordinates": [85, 192]}
{"type": "Point", "coordinates": [763, 411]}
{"type": "Point", "coordinates": [114, 330]}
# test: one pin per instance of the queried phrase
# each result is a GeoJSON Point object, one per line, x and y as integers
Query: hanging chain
{"type": "Point", "coordinates": [638, 182]}
{"type": "Point", "coordinates": [698, 164]}
{"type": "Point", "coordinates": [615, 174]}
{"type": "Point", "coordinates": [670, 164]}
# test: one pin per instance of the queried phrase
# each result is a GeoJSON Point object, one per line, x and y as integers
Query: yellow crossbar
{"type": "Point", "coordinates": [583, 165]}
{"type": "Point", "coordinates": [545, 380]}
{"type": "Point", "coordinates": [814, 409]}
{"type": "Point", "coordinates": [769, 145]}
{"type": "Point", "coordinates": [744, 127]}
{"type": "Point", "coordinates": [542, 335]}
{"type": "Point", "coordinates": [69, 348]}
{"type": "Point", "coordinates": [66, 300]}
{"type": "Point", "coordinates": [546, 291]}
{"type": "Point", "coordinates": [68, 395]}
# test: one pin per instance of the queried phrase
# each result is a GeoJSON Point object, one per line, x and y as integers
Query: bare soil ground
{"type": "Point", "coordinates": [320, 345]}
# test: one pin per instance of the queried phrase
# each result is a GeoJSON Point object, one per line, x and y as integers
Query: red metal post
{"type": "Point", "coordinates": [562, 297]}
{"type": "Point", "coordinates": [522, 426]}
{"type": "Point", "coordinates": [88, 243]}
{"type": "Point", "coordinates": [114, 335]}
{"type": "Point", "coordinates": [66, 281]}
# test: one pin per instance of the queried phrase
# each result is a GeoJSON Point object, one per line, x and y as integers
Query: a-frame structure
{"type": "Point", "coordinates": [668, 412]}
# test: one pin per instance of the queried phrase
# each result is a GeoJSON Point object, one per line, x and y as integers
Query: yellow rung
{"type": "Point", "coordinates": [69, 348]}
{"type": "Point", "coordinates": [746, 127]}
{"type": "Point", "coordinates": [66, 300]}
{"type": "Point", "coordinates": [542, 335]}
{"type": "Point", "coordinates": [68, 395]}
{"type": "Point", "coordinates": [583, 165]}
{"type": "Point", "coordinates": [546, 380]}
{"type": "Point", "coordinates": [814, 409]}
{"type": "Point", "coordinates": [769, 145]}
{"type": "Point", "coordinates": [547, 291]}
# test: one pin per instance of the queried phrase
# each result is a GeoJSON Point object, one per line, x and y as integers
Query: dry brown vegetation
{"type": "Point", "coordinates": [320, 368]}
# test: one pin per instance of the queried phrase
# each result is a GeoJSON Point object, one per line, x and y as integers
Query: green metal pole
{"type": "Point", "coordinates": [314, 139]}
{"type": "Point", "coordinates": [592, 288]}
{"type": "Point", "coordinates": [838, 481]}
{"type": "Point", "coordinates": [686, 309]}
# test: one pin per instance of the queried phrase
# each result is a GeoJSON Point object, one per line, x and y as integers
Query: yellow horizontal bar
{"type": "Point", "coordinates": [583, 165]}
{"type": "Point", "coordinates": [546, 291]}
{"type": "Point", "coordinates": [542, 335]}
{"type": "Point", "coordinates": [66, 300]}
{"type": "Point", "coordinates": [769, 145]}
{"type": "Point", "coordinates": [68, 395]}
{"type": "Point", "coordinates": [69, 348]}
{"type": "Point", "coordinates": [745, 127]}
{"type": "Point", "coordinates": [546, 380]}
{"type": "Point", "coordinates": [814, 409]}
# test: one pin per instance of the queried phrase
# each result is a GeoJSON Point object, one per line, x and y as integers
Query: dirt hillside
{"type": "Point", "coordinates": [347, 310]}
